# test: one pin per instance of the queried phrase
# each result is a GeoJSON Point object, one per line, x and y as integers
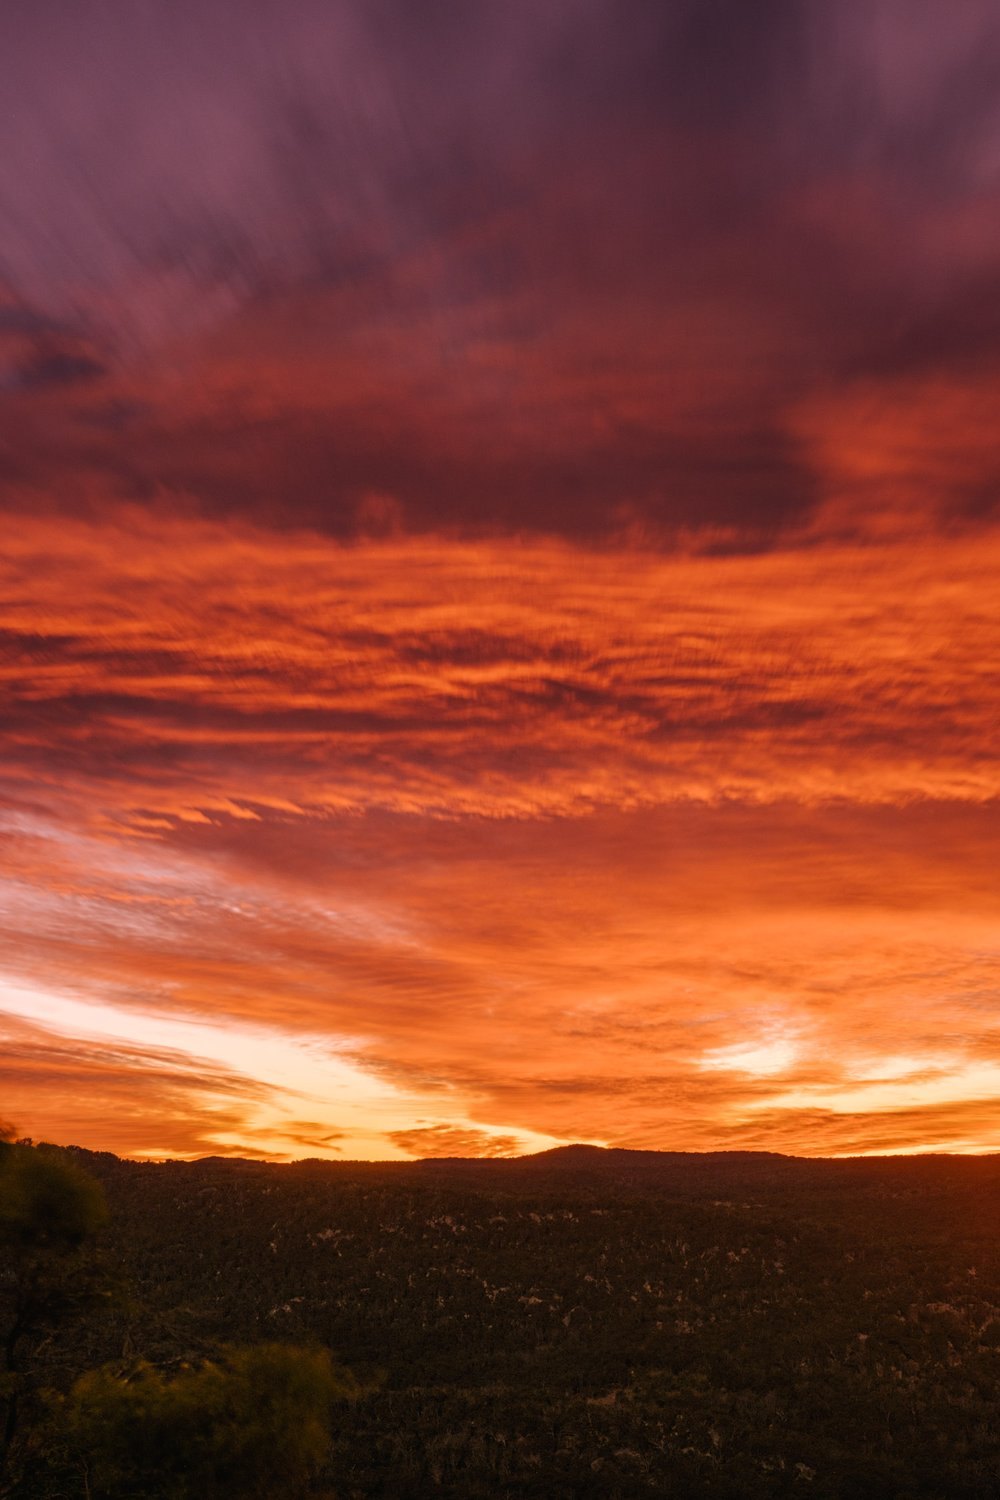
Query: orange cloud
{"type": "Point", "coordinates": [682, 850]}
{"type": "Point", "coordinates": [137, 1101]}
{"type": "Point", "coordinates": [224, 671]}
{"type": "Point", "coordinates": [443, 1140]}
{"type": "Point", "coordinates": [903, 455]}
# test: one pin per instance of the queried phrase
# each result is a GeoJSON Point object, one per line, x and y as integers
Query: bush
{"type": "Point", "coordinates": [256, 1422]}
{"type": "Point", "coordinates": [47, 1202]}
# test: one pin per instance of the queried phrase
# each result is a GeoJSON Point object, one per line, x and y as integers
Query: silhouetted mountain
{"type": "Point", "coordinates": [617, 1169]}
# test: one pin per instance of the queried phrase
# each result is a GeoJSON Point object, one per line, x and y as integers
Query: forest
{"type": "Point", "coordinates": [578, 1323]}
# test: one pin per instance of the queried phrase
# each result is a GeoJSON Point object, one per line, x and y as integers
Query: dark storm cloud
{"type": "Point", "coordinates": [567, 267]}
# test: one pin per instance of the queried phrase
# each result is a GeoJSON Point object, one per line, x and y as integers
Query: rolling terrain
{"type": "Point", "coordinates": [590, 1322]}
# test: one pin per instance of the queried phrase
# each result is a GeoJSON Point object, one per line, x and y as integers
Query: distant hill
{"type": "Point", "coordinates": [617, 1169]}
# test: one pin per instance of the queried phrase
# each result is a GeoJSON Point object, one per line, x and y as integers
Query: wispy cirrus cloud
{"type": "Point", "coordinates": [131, 1098]}
{"type": "Point", "coordinates": [554, 842]}
{"type": "Point", "coordinates": [234, 669]}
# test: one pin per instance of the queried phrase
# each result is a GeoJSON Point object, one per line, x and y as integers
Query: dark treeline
{"type": "Point", "coordinates": [581, 1323]}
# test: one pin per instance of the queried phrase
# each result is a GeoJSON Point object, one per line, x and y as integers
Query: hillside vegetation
{"type": "Point", "coordinates": [579, 1323]}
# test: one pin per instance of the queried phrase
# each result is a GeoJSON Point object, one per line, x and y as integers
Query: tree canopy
{"type": "Point", "coordinates": [253, 1422]}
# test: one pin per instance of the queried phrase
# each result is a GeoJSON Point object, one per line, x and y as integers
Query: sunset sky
{"type": "Point", "coordinates": [500, 575]}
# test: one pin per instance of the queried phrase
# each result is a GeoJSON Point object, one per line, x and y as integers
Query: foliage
{"type": "Point", "coordinates": [49, 1209]}
{"type": "Point", "coordinates": [255, 1422]}
{"type": "Point", "coordinates": [48, 1204]}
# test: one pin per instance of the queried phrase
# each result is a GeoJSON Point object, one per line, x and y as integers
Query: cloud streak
{"type": "Point", "coordinates": [228, 670]}
{"type": "Point", "coordinates": [676, 850]}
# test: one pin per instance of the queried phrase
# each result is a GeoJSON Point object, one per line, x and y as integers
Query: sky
{"type": "Point", "coordinates": [500, 576]}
